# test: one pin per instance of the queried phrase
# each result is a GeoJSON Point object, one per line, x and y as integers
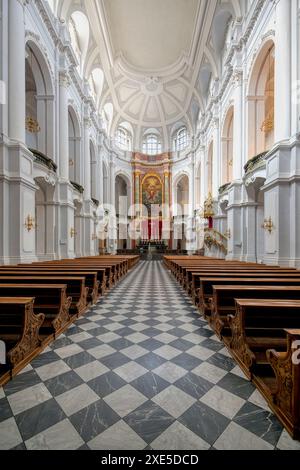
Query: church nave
{"type": "Point", "coordinates": [141, 370]}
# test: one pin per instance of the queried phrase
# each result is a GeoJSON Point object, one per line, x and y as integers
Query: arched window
{"type": "Point", "coordinates": [79, 30]}
{"type": "Point", "coordinates": [152, 145]}
{"type": "Point", "coordinates": [181, 140]}
{"type": "Point", "coordinates": [123, 140]}
{"type": "Point", "coordinates": [74, 39]}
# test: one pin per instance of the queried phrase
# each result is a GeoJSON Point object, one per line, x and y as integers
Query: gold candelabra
{"type": "Point", "coordinates": [268, 225]}
{"type": "Point", "coordinates": [73, 232]}
{"type": "Point", "coordinates": [29, 223]}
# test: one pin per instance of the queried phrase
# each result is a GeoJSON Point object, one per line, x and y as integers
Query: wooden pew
{"type": "Point", "coordinates": [196, 278]}
{"type": "Point", "coordinates": [205, 292]}
{"type": "Point", "coordinates": [119, 267]}
{"type": "Point", "coordinates": [110, 270]}
{"type": "Point", "coordinates": [87, 272]}
{"type": "Point", "coordinates": [192, 276]}
{"type": "Point", "coordinates": [75, 288]}
{"type": "Point", "coordinates": [50, 299]}
{"type": "Point", "coordinates": [223, 302]}
{"type": "Point", "coordinates": [91, 277]}
{"type": "Point", "coordinates": [281, 384]}
{"type": "Point", "coordinates": [19, 330]}
{"type": "Point", "coordinates": [256, 327]}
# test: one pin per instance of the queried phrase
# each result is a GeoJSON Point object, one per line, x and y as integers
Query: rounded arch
{"type": "Point", "coordinates": [74, 146]}
{"type": "Point", "coordinates": [108, 110]}
{"type": "Point", "coordinates": [96, 82]}
{"type": "Point", "coordinates": [227, 146]}
{"type": "Point", "coordinates": [40, 104]}
{"type": "Point", "coordinates": [259, 60]}
{"type": "Point", "coordinates": [79, 29]}
{"type": "Point", "coordinates": [124, 136]}
{"type": "Point", "coordinates": [181, 192]}
{"type": "Point", "coordinates": [261, 100]}
{"type": "Point", "coordinates": [183, 178]}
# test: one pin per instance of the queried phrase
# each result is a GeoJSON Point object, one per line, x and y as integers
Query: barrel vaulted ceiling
{"type": "Point", "coordinates": [157, 56]}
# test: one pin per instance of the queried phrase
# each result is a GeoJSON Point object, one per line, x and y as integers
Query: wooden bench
{"type": "Point", "coordinates": [281, 384]}
{"type": "Point", "coordinates": [50, 299]}
{"type": "Point", "coordinates": [196, 278]}
{"type": "Point", "coordinates": [206, 287]}
{"type": "Point", "coordinates": [110, 270]}
{"type": "Point", "coordinates": [223, 302]}
{"type": "Point", "coordinates": [91, 277]}
{"type": "Point", "coordinates": [19, 330]}
{"type": "Point", "coordinates": [96, 287]}
{"type": "Point", "coordinates": [256, 327]}
{"type": "Point", "coordinates": [192, 278]}
{"type": "Point", "coordinates": [76, 288]}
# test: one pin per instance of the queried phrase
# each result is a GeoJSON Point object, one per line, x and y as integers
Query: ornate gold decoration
{"type": "Point", "coordinates": [73, 232]}
{"type": "Point", "coordinates": [31, 125]}
{"type": "Point", "coordinates": [268, 225]}
{"type": "Point", "coordinates": [208, 207]}
{"type": "Point", "coordinates": [268, 124]}
{"type": "Point", "coordinates": [211, 240]}
{"type": "Point", "coordinates": [30, 223]}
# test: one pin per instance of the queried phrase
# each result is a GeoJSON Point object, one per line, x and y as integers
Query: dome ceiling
{"type": "Point", "coordinates": [150, 51]}
{"type": "Point", "coordinates": [156, 59]}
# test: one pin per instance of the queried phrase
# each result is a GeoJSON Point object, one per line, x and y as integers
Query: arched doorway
{"type": "Point", "coordinates": [40, 105]}
{"type": "Point", "coordinates": [40, 140]}
{"type": "Point", "coordinates": [182, 200]}
{"type": "Point", "coordinates": [122, 206]}
{"type": "Point", "coordinates": [75, 167]}
{"type": "Point", "coordinates": [261, 102]}
{"type": "Point", "coordinates": [227, 147]}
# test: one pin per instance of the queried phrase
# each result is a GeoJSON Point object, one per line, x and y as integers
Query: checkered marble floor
{"type": "Point", "coordinates": [141, 370]}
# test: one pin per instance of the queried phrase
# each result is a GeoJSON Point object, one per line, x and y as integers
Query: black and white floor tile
{"type": "Point", "coordinates": [140, 370]}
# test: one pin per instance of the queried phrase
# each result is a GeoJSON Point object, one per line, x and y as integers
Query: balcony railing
{"type": "Point", "coordinates": [42, 159]}
{"type": "Point", "coordinates": [95, 201]}
{"type": "Point", "coordinates": [255, 162]}
{"type": "Point", "coordinates": [224, 188]}
{"type": "Point", "coordinates": [78, 187]}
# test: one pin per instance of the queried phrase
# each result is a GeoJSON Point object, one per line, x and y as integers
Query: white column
{"type": "Point", "coordinates": [64, 83]}
{"type": "Point", "coordinates": [203, 176]}
{"type": "Point", "coordinates": [112, 182]}
{"type": "Point", "coordinates": [192, 187]}
{"type": "Point", "coordinates": [216, 159]}
{"type": "Point", "coordinates": [283, 71]}
{"type": "Point", "coordinates": [16, 71]}
{"type": "Point", "coordinates": [87, 160]}
{"type": "Point", "coordinates": [100, 182]}
{"type": "Point", "coordinates": [238, 151]}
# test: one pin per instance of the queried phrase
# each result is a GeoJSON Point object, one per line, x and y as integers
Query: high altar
{"type": "Point", "coordinates": [152, 189]}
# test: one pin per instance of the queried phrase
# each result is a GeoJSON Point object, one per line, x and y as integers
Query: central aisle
{"type": "Point", "coordinates": [142, 370]}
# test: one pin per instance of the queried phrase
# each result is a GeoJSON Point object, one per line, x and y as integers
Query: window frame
{"type": "Point", "coordinates": [152, 145]}
{"type": "Point", "coordinates": [181, 140]}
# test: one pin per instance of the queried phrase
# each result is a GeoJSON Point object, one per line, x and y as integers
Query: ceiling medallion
{"type": "Point", "coordinates": [152, 86]}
